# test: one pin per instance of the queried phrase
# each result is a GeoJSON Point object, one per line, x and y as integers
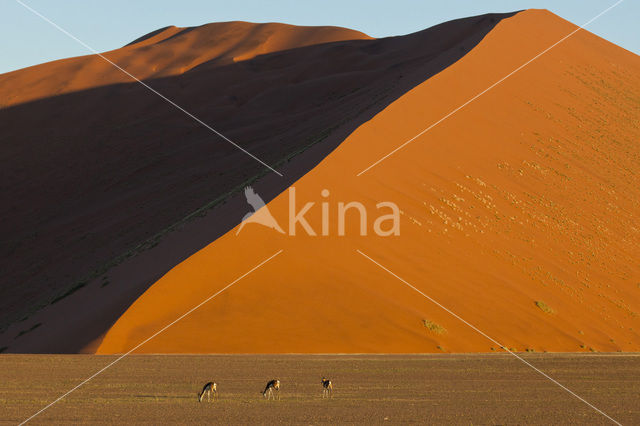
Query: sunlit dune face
{"type": "Point", "coordinates": [517, 213]}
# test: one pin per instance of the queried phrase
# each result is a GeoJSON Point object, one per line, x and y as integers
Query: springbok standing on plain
{"type": "Point", "coordinates": [273, 385]}
{"type": "Point", "coordinates": [209, 388]}
{"type": "Point", "coordinates": [327, 388]}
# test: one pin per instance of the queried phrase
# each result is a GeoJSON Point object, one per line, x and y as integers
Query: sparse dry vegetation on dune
{"type": "Point", "coordinates": [436, 389]}
{"type": "Point", "coordinates": [530, 193]}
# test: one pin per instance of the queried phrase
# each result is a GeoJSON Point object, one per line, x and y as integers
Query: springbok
{"type": "Point", "coordinates": [327, 388]}
{"type": "Point", "coordinates": [271, 386]}
{"type": "Point", "coordinates": [208, 389]}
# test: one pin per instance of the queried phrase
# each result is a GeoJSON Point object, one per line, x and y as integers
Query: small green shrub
{"type": "Point", "coordinates": [432, 326]}
{"type": "Point", "coordinates": [544, 307]}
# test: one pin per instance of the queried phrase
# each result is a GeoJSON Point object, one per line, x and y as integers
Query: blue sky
{"type": "Point", "coordinates": [105, 25]}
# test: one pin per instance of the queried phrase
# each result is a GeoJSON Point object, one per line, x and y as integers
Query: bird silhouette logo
{"type": "Point", "coordinates": [260, 213]}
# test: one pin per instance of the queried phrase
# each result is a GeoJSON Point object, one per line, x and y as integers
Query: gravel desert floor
{"type": "Point", "coordinates": [444, 389]}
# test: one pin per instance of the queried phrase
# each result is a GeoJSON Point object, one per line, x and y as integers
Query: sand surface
{"type": "Point", "coordinates": [106, 187]}
{"type": "Point", "coordinates": [529, 194]}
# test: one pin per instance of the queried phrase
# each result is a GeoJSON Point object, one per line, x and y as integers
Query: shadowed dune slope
{"type": "Point", "coordinates": [97, 171]}
{"type": "Point", "coordinates": [529, 194]}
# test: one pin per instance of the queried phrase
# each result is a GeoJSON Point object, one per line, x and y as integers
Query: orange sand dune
{"type": "Point", "coordinates": [528, 194]}
{"type": "Point", "coordinates": [106, 187]}
{"type": "Point", "coordinates": [172, 51]}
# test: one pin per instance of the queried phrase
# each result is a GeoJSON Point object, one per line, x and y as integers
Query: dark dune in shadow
{"type": "Point", "coordinates": [93, 177]}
